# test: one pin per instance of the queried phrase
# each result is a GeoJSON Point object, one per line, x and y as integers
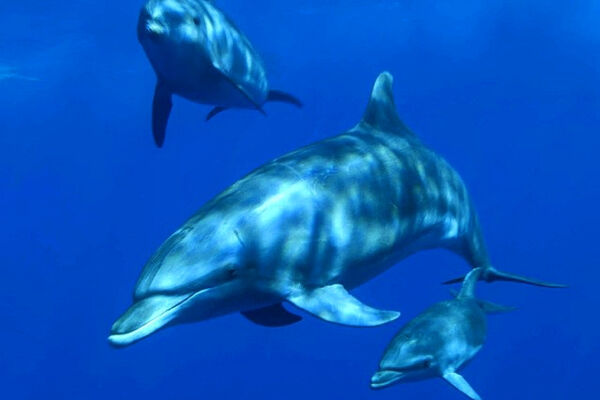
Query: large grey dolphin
{"type": "Point", "coordinates": [439, 341]}
{"type": "Point", "coordinates": [199, 54]}
{"type": "Point", "coordinates": [306, 227]}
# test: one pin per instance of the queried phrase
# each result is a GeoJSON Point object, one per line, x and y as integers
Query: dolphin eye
{"type": "Point", "coordinates": [196, 21]}
{"type": "Point", "coordinates": [231, 271]}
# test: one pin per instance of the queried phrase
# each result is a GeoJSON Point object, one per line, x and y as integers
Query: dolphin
{"type": "Point", "coordinates": [439, 341]}
{"type": "Point", "coordinates": [307, 227]}
{"type": "Point", "coordinates": [8, 72]}
{"type": "Point", "coordinates": [199, 54]}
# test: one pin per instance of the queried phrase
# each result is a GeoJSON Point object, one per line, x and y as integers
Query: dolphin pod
{"type": "Point", "coordinates": [309, 226]}
{"type": "Point", "coordinates": [199, 54]}
{"type": "Point", "coordinates": [439, 341]}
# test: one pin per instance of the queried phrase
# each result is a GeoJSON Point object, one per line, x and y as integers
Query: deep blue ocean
{"type": "Point", "coordinates": [507, 91]}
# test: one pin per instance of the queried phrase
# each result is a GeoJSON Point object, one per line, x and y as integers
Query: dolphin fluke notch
{"type": "Point", "coordinates": [381, 111]}
{"type": "Point", "coordinates": [334, 304]}
{"type": "Point", "coordinates": [491, 274]}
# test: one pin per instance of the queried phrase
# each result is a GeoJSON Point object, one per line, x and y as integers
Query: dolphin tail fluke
{"type": "Point", "coordinates": [491, 274]}
{"type": "Point", "coordinates": [215, 111]}
{"type": "Point", "coordinates": [278, 95]}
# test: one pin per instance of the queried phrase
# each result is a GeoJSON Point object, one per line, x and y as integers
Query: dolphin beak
{"type": "Point", "coordinates": [145, 317]}
{"type": "Point", "coordinates": [385, 378]}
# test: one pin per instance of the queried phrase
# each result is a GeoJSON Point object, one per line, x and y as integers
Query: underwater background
{"type": "Point", "coordinates": [507, 91]}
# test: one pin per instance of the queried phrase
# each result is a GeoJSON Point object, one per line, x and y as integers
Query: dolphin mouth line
{"type": "Point", "coordinates": [386, 377]}
{"type": "Point", "coordinates": [123, 339]}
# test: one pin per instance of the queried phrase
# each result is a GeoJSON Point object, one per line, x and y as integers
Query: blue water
{"type": "Point", "coordinates": [507, 91]}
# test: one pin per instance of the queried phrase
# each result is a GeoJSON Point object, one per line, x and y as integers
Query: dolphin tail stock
{"type": "Point", "coordinates": [491, 274]}
{"type": "Point", "coordinates": [283, 97]}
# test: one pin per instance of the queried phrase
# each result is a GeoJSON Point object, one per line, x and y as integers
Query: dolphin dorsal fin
{"type": "Point", "coordinates": [468, 287]}
{"type": "Point", "coordinates": [381, 111]}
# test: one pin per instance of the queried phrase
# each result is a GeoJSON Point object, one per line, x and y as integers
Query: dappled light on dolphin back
{"type": "Point", "coordinates": [308, 227]}
{"type": "Point", "coordinates": [200, 55]}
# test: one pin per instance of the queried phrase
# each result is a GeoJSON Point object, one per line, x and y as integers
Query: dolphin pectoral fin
{"type": "Point", "coordinates": [334, 304]}
{"type": "Point", "coordinates": [278, 95]}
{"type": "Point", "coordinates": [453, 281]}
{"type": "Point", "coordinates": [161, 108]}
{"type": "Point", "coordinates": [272, 316]}
{"type": "Point", "coordinates": [492, 308]}
{"type": "Point", "coordinates": [461, 384]}
{"type": "Point", "coordinates": [215, 111]}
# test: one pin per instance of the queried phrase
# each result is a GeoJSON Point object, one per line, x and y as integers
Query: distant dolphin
{"type": "Point", "coordinates": [199, 54]}
{"type": "Point", "coordinates": [307, 227]}
{"type": "Point", "coordinates": [439, 341]}
{"type": "Point", "coordinates": [7, 72]}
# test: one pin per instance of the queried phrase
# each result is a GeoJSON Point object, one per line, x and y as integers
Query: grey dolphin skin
{"type": "Point", "coordinates": [307, 227]}
{"type": "Point", "coordinates": [439, 341]}
{"type": "Point", "coordinates": [199, 54]}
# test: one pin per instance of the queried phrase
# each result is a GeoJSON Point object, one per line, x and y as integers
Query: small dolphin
{"type": "Point", "coordinates": [439, 341]}
{"type": "Point", "coordinates": [307, 227]}
{"type": "Point", "coordinates": [7, 72]}
{"type": "Point", "coordinates": [199, 54]}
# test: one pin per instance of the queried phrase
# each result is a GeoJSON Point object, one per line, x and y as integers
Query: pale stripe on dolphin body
{"type": "Point", "coordinates": [314, 223]}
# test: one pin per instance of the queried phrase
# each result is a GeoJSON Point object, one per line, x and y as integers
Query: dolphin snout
{"type": "Point", "coordinates": [154, 29]}
{"type": "Point", "coordinates": [385, 378]}
{"type": "Point", "coordinates": [149, 26]}
{"type": "Point", "coordinates": [145, 317]}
